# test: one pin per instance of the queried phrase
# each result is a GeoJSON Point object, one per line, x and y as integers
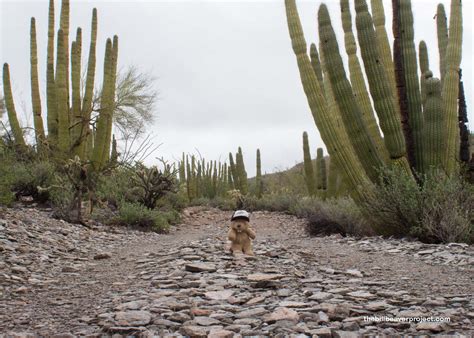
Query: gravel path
{"type": "Point", "coordinates": [59, 278]}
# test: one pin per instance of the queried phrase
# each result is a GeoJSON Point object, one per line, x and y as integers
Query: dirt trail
{"type": "Point", "coordinates": [53, 280]}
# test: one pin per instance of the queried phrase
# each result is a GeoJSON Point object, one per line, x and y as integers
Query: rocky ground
{"type": "Point", "coordinates": [59, 278]}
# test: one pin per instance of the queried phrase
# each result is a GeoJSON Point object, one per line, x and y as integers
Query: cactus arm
{"type": "Point", "coordinates": [35, 93]}
{"type": "Point", "coordinates": [111, 97]}
{"type": "Point", "coordinates": [358, 83]}
{"type": "Point", "coordinates": [240, 167]}
{"type": "Point", "coordinates": [424, 67]}
{"type": "Point", "coordinates": [89, 89]}
{"type": "Point", "coordinates": [76, 50]}
{"type": "Point", "coordinates": [10, 106]}
{"type": "Point", "coordinates": [363, 144]}
{"type": "Point", "coordinates": [61, 96]}
{"type": "Point", "coordinates": [332, 178]}
{"type": "Point", "coordinates": [383, 42]}
{"type": "Point", "coordinates": [334, 138]}
{"type": "Point", "coordinates": [450, 87]}
{"type": "Point", "coordinates": [51, 103]}
{"type": "Point", "coordinates": [101, 133]}
{"type": "Point", "coordinates": [64, 26]}
{"type": "Point", "coordinates": [442, 31]}
{"type": "Point", "coordinates": [464, 154]}
{"type": "Point", "coordinates": [308, 166]}
{"type": "Point", "coordinates": [315, 63]}
{"type": "Point", "coordinates": [410, 72]}
{"type": "Point", "coordinates": [433, 133]}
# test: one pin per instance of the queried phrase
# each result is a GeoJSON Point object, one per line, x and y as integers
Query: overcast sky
{"type": "Point", "coordinates": [226, 74]}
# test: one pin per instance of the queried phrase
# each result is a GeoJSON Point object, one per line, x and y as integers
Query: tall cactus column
{"type": "Point", "coordinates": [410, 74]}
{"type": "Point", "coordinates": [10, 105]}
{"type": "Point", "coordinates": [51, 102]}
{"type": "Point", "coordinates": [450, 90]}
{"type": "Point", "coordinates": [35, 93]}
{"type": "Point", "coordinates": [258, 177]}
{"type": "Point", "coordinates": [308, 166]}
{"type": "Point", "coordinates": [442, 30]}
{"type": "Point", "coordinates": [433, 131]}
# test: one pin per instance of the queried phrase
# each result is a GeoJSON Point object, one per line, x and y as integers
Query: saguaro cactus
{"type": "Point", "coordinates": [308, 166]}
{"type": "Point", "coordinates": [433, 133]}
{"type": "Point", "coordinates": [240, 167]}
{"type": "Point", "coordinates": [51, 103]}
{"type": "Point", "coordinates": [442, 30]}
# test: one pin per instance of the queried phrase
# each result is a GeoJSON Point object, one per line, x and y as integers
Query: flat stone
{"type": "Point", "coordinates": [133, 305]}
{"type": "Point", "coordinates": [430, 326]}
{"type": "Point", "coordinates": [206, 321]}
{"type": "Point", "coordinates": [200, 267]}
{"type": "Point", "coordinates": [320, 296]}
{"type": "Point", "coordinates": [361, 294]}
{"type": "Point", "coordinates": [251, 313]}
{"type": "Point", "coordinates": [376, 306]}
{"type": "Point", "coordinates": [353, 272]}
{"type": "Point", "coordinates": [219, 295]}
{"type": "Point", "coordinates": [102, 255]}
{"type": "Point", "coordinates": [194, 331]}
{"type": "Point", "coordinates": [293, 304]}
{"type": "Point", "coordinates": [132, 318]}
{"type": "Point", "coordinates": [282, 313]}
{"type": "Point", "coordinates": [263, 277]}
{"type": "Point", "coordinates": [220, 333]}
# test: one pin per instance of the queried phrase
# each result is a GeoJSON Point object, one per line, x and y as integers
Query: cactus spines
{"type": "Point", "coordinates": [308, 166]}
{"type": "Point", "coordinates": [51, 103]}
{"type": "Point", "coordinates": [258, 177]}
{"type": "Point", "coordinates": [382, 95]}
{"type": "Point", "coordinates": [357, 81]}
{"type": "Point", "coordinates": [442, 30]}
{"type": "Point", "coordinates": [111, 96]}
{"type": "Point", "coordinates": [433, 133]}
{"type": "Point", "coordinates": [464, 154]}
{"type": "Point", "coordinates": [62, 96]}
{"type": "Point", "coordinates": [450, 87]}
{"type": "Point", "coordinates": [35, 94]}
{"type": "Point", "coordinates": [10, 105]}
{"type": "Point", "coordinates": [331, 134]}
{"type": "Point", "coordinates": [410, 74]}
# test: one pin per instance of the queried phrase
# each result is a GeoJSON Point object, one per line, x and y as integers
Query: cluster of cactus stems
{"type": "Point", "coordinates": [69, 113]}
{"type": "Point", "coordinates": [210, 179]}
{"type": "Point", "coordinates": [417, 114]}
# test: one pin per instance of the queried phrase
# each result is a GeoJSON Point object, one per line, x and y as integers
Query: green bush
{"type": "Point", "coordinates": [138, 216]}
{"type": "Point", "coordinates": [117, 186]}
{"type": "Point", "coordinates": [441, 209]}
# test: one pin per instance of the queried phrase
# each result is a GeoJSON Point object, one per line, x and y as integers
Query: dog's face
{"type": "Point", "coordinates": [239, 225]}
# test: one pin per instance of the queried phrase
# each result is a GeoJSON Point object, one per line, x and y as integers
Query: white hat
{"type": "Point", "coordinates": [240, 214]}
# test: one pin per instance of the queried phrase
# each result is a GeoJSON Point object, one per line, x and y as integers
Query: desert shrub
{"type": "Point", "coordinates": [272, 202]}
{"type": "Point", "coordinates": [448, 210]}
{"type": "Point", "coordinates": [117, 186]}
{"type": "Point", "coordinates": [395, 205]}
{"type": "Point", "coordinates": [440, 209]}
{"type": "Point", "coordinates": [137, 215]}
{"type": "Point", "coordinates": [24, 178]}
{"type": "Point", "coordinates": [172, 201]}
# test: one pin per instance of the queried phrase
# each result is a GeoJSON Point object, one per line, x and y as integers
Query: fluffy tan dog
{"type": "Point", "coordinates": [241, 235]}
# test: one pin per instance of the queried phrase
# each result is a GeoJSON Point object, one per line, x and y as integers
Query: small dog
{"type": "Point", "coordinates": [240, 233]}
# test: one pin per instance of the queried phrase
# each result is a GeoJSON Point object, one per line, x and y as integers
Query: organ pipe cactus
{"type": "Point", "coordinates": [241, 172]}
{"type": "Point", "coordinates": [363, 144]}
{"type": "Point", "coordinates": [424, 67]}
{"type": "Point", "coordinates": [321, 170]}
{"type": "Point", "coordinates": [309, 173]}
{"type": "Point", "coordinates": [331, 134]}
{"type": "Point", "coordinates": [69, 115]}
{"type": "Point", "coordinates": [332, 178]}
